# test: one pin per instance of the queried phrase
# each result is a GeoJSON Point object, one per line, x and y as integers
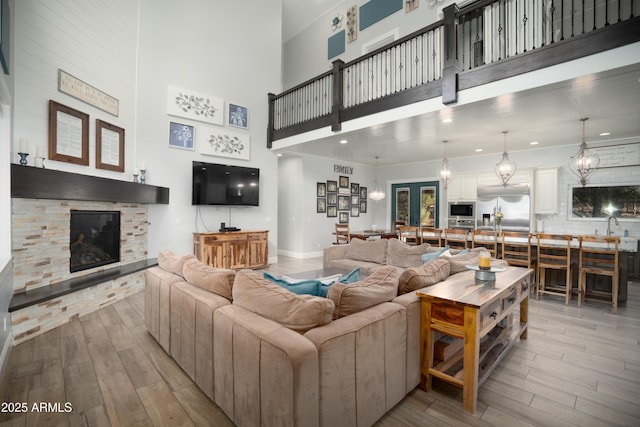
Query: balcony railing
{"type": "Point", "coordinates": [477, 44]}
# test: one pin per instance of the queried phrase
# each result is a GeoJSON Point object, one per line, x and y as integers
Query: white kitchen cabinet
{"type": "Point", "coordinates": [463, 187]}
{"type": "Point", "coordinates": [546, 191]}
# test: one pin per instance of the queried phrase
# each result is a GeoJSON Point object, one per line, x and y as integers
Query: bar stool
{"type": "Point", "coordinates": [431, 235]}
{"type": "Point", "coordinates": [516, 249]}
{"type": "Point", "coordinates": [554, 252]}
{"type": "Point", "coordinates": [599, 259]}
{"type": "Point", "coordinates": [408, 234]}
{"type": "Point", "coordinates": [342, 234]}
{"type": "Point", "coordinates": [456, 238]}
{"type": "Point", "coordinates": [485, 239]}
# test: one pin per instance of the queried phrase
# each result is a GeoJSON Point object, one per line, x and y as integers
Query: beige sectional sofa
{"type": "Point", "coordinates": [269, 357]}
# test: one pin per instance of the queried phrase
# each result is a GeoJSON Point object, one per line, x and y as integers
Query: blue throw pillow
{"type": "Point", "coordinates": [430, 256]}
{"type": "Point", "coordinates": [352, 276]}
{"type": "Point", "coordinates": [301, 287]}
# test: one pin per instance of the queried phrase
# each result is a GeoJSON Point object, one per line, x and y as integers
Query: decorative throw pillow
{"type": "Point", "coordinates": [403, 255]}
{"type": "Point", "coordinates": [428, 274]}
{"type": "Point", "coordinates": [367, 250]}
{"type": "Point", "coordinates": [296, 312]}
{"type": "Point", "coordinates": [430, 256]}
{"type": "Point", "coordinates": [300, 287]}
{"type": "Point", "coordinates": [172, 263]}
{"type": "Point", "coordinates": [350, 277]}
{"type": "Point", "coordinates": [381, 286]}
{"type": "Point", "coordinates": [216, 280]}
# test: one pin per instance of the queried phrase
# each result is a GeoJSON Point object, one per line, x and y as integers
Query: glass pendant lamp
{"type": "Point", "coordinates": [584, 163]}
{"type": "Point", "coordinates": [506, 167]}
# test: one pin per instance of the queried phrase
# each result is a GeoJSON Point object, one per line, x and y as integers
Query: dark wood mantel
{"type": "Point", "coordinates": [39, 183]}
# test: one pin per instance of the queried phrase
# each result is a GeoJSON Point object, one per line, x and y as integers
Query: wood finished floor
{"type": "Point", "coordinates": [579, 367]}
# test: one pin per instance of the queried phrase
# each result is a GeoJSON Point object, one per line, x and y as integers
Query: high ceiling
{"type": "Point", "coordinates": [549, 115]}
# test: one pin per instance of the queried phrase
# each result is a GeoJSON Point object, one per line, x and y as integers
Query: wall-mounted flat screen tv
{"type": "Point", "coordinates": [217, 184]}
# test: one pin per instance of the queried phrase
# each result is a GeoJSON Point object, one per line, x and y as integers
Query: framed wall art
{"type": "Point", "coordinates": [332, 211]}
{"type": "Point", "coordinates": [363, 206]}
{"type": "Point", "coordinates": [321, 189]}
{"type": "Point", "coordinates": [343, 218]}
{"type": "Point", "coordinates": [344, 181]}
{"type": "Point", "coordinates": [238, 116]}
{"type": "Point", "coordinates": [343, 203]}
{"type": "Point", "coordinates": [109, 146]}
{"type": "Point", "coordinates": [355, 188]}
{"type": "Point", "coordinates": [355, 210]}
{"type": "Point", "coordinates": [68, 134]}
{"type": "Point", "coordinates": [363, 193]}
{"type": "Point", "coordinates": [194, 105]}
{"type": "Point", "coordinates": [332, 199]}
{"type": "Point", "coordinates": [214, 141]}
{"type": "Point", "coordinates": [332, 186]}
{"type": "Point", "coordinates": [321, 205]}
{"type": "Point", "coordinates": [182, 135]}
{"type": "Point", "coordinates": [355, 199]}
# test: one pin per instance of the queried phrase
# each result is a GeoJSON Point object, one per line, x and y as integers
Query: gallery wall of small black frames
{"type": "Point", "coordinates": [341, 199]}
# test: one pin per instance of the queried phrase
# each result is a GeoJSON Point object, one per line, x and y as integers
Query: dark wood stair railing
{"type": "Point", "coordinates": [483, 42]}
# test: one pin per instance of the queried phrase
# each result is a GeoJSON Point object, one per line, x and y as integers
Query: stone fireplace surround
{"type": "Point", "coordinates": [40, 246]}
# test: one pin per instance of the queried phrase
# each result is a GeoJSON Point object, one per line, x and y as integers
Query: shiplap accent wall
{"type": "Point", "coordinates": [94, 41]}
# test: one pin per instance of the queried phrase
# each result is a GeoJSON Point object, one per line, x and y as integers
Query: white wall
{"type": "Point", "coordinates": [208, 47]}
{"type": "Point", "coordinates": [97, 43]}
{"type": "Point", "coordinates": [6, 284]}
{"type": "Point", "coordinates": [311, 43]}
{"type": "Point", "coordinates": [307, 231]}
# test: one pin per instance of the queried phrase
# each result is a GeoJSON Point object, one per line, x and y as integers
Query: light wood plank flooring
{"type": "Point", "coordinates": [579, 367]}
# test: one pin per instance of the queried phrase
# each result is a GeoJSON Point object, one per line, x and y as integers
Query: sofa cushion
{"type": "Point", "coordinates": [427, 274]}
{"type": "Point", "coordinates": [216, 280]}
{"type": "Point", "coordinates": [381, 286]}
{"type": "Point", "coordinates": [367, 250]}
{"type": "Point", "coordinates": [402, 255]}
{"type": "Point", "coordinates": [296, 312]}
{"type": "Point", "coordinates": [459, 259]}
{"type": "Point", "coordinates": [173, 263]}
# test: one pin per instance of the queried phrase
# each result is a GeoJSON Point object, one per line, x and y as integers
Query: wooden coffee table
{"type": "Point", "coordinates": [481, 315]}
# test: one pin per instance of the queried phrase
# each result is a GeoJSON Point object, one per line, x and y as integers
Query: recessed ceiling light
{"type": "Point", "coordinates": [479, 150]}
{"type": "Point", "coordinates": [534, 143]}
{"type": "Point", "coordinates": [279, 154]}
{"type": "Point", "coordinates": [343, 141]}
{"type": "Point", "coordinates": [605, 134]}
{"type": "Point", "coordinates": [446, 120]}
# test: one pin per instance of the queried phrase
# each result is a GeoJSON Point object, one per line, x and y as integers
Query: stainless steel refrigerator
{"type": "Point", "coordinates": [513, 201]}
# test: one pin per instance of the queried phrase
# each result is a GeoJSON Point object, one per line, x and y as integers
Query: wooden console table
{"type": "Point", "coordinates": [481, 316]}
{"type": "Point", "coordinates": [233, 249]}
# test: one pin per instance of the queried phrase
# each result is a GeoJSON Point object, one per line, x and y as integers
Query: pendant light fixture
{"type": "Point", "coordinates": [445, 173]}
{"type": "Point", "coordinates": [584, 163]}
{"type": "Point", "coordinates": [377, 193]}
{"type": "Point", "coordinates": [506, 167]}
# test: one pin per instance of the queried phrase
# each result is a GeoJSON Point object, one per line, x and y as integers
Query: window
{"type": "Point", "coordinates": [603, 201]}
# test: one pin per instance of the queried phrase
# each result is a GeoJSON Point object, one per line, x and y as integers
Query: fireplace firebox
{"type": "Point", "coordinates": [94, 239]}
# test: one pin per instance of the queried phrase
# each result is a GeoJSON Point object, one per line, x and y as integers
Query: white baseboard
{"type": "Point", "coordinates": [300, 255]}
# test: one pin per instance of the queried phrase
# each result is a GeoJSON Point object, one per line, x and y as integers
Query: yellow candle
{"type": "Point", "coordinates": [485, 261]}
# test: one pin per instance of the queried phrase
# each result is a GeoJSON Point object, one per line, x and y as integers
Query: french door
{"type": "Point", "coordinates": [416, 203]}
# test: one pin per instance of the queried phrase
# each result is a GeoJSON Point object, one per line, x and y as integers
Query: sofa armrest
{"type": "Point", "coordinates": [265, 373]}
{"type": "Point", "coordinates": [362, 361]}
{"type": "Point", "coordinates": [157, 304]}
{"type": "Point", "coordinates": [334, 252]}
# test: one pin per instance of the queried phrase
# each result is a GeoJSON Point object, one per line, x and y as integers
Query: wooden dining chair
{"type": "Point", "coordinates": [397, 225]}
{"type": "Point", "coordinates": [485, 239]}
{"type": "Point", "coordinates": [554, 253]}
{"type": "Point", "coordinates": [599, 257]}
{"type": "Point", "coordinates": [431, 235]}
{"type": "Point", "coordinates": [342, 234]}
{"type": "Point", "coordinates": [516, 250]}
{"type": "Point", "coordinates": [408, 234]}
{"type": "Point", "coordinates": [456, 238]}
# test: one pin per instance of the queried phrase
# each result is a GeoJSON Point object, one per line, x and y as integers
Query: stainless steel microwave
{"type": "Point", "coordinates": [462, 210]}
